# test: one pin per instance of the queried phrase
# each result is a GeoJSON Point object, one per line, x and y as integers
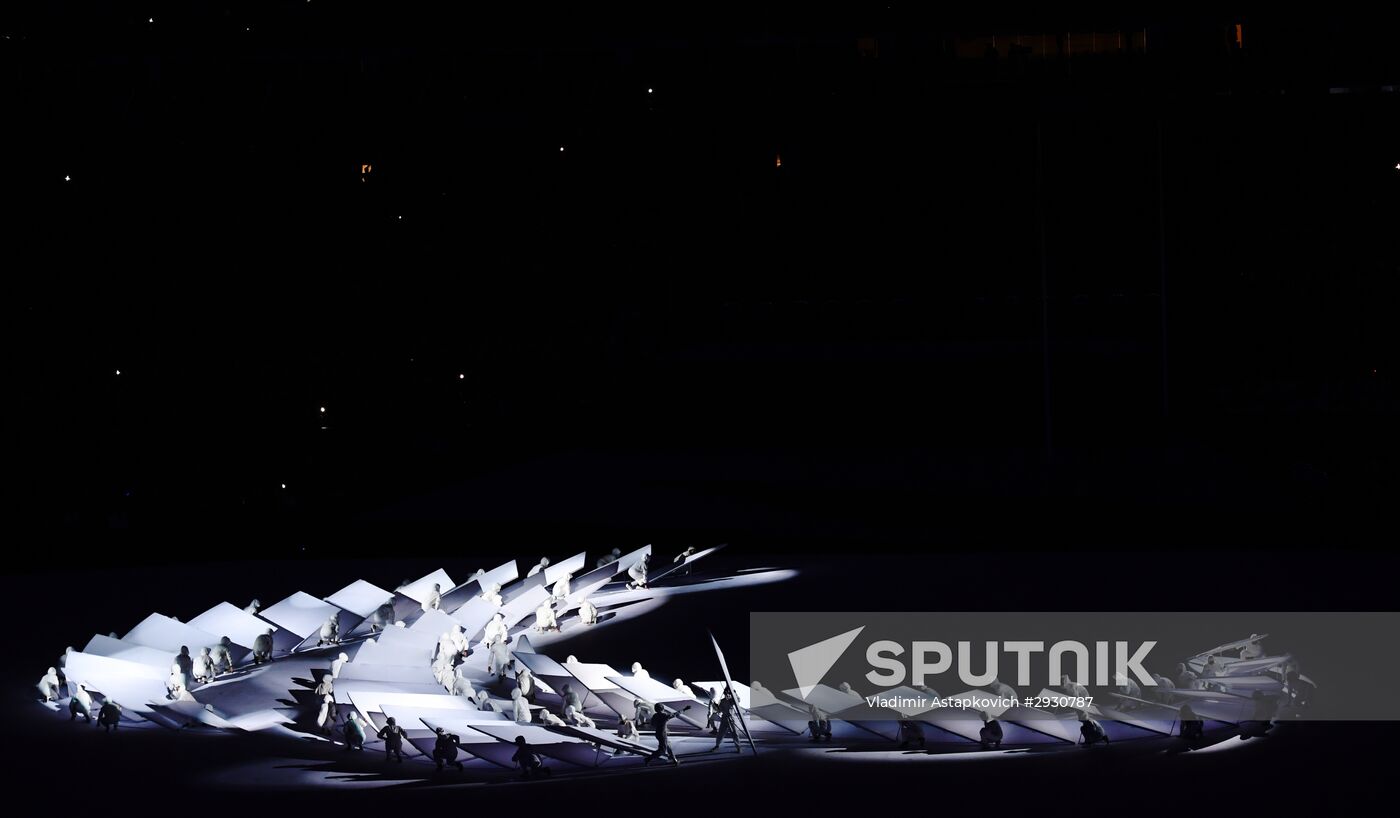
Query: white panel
{"type": "Point", "coordinates": [593, 676]}
{"type": "Point", "coordinates": [193, 711]}
{"type": "Point", "coordinates": [964, 723]}
{"type": "Point", "coordinates": [420, 589]}
{"type": "Point", "coordinates": [362, 685]}
{"type": "Point", "coordinates": [671, 567]}
{"type": "Point", "coordinates": [301, 613]}
{"type": "Point", "coordinates": [360, 598]}
{"type": "Point", "coordinates": [474, 615]}
{"type": "Point", "coordinates": [398, 646]}
{"type": "Point", "coordinates": [259, 720]}
{"type": "Point", "coordinates": [373, 701]}
{"type": "Point", "coordinates": [1236, 645]}
{"type": "Point", "coordinates": [522, 608]}
{"type": "Point", "coordinates": [826, 698]}
{"type": "Point", "coordinates": [433, 623]}
{"type": "Point", "coordinates": [741, 690]}
{"type": "Point", "coordinates": [624, 562]}
{"type": "Point", "coordinates": [83, 667]}
{"type": "Point", "coordinates": [355, 671]}
{"type": "Point", "coordinates": [655, 692]}
{"type": "Point", "coordinates": [453, 721]}
{"type": "Point", "coordinates": [572, 565]}
{"type": "Point", "coordinates": [605, 738]}
{"type": "Point", "coordinates": [652, 690]}
{"type": "Point", "coordinates": [164, 633]}
{"type": "Point", "coordinates": [541, 665]}
{"type": "Point", "coordinates": [1043, 721]}
{"type": "Point", "coordinates": [130, 684]}
{"type": "Point", "coordinates": [101, 645]}
{"type": "Point", "coordinates": [1251, 667]}
{"type": "Point", "coordinates": [504, 574]}
{"type": "Point", "coordinates": [534, 734]}
{"type": "Point", "coordinates": [459, 596]}
{"type": "Point", "coordinates": [228, 620]}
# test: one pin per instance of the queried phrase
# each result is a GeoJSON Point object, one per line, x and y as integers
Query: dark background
{"type": "Point", "coordinates": [1022, 280]}
{"type": "Point", "coordinates": [1036, 301]}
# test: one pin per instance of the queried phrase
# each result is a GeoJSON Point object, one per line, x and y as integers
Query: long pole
{"type": "Point", "coordinates": [738, 711]}
{"type": "Point", "coordinates": [1162, 257]}
{"type": "Point", "coordinates": [1044, 290]}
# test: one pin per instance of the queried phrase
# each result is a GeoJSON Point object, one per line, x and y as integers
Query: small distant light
{"type": "Point", "coordinates": [70, 178]}
{"type": "Point", "coordinates": [561, 150]}
{"type": "Point", "coordinates": [461, 376]}
{"type": "Point", "coordinates": [284, 485]}
{"type": "Point", "coordinates": [323, 410]}
{"type": "Point", "coordinates": [648, 90]}
{"type": "Point", "coordinates": [150, 19]}
{"type": "Point", "coordinates": [120, 372]}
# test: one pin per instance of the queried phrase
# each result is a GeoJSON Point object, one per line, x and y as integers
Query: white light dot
{"type": "Point", "coordinates": [461, 376]}
{"type": "Point", "coordinates": [119, 372]}
{"type": "Point", "coordinates": [70, 178]}
{"type": "Point", "coordinates": [284, 485]}
{"type": "Point", "coordinates": [561, 150]}
{"type": "Point", "coordinates": [150, 19]}
{"type": "Point", "coordinates": [401, 218]}
{"type": "Point", "coordinates": [648, 90]}
{"type": "Point", "coordinates": [323, 409]}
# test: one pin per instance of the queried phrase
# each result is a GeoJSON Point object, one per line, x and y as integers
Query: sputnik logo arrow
{"type": "Point", "coordinates": [811, 663]}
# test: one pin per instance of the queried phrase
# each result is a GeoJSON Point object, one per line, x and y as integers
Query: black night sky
{"type": "Point", "coordinates": [1066, 309]}
{"type": "Point", "coordinates": [874, 276]}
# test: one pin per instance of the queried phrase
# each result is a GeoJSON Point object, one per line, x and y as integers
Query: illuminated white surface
{"type": "Point", "coordinates": [303, 614]}
{"type": "Point", "coordinates": [157, 631]}
{"type": "Point", "coordinates": [626, 561]}
{"type": "Point", "coordinates": [741, 690]}
{"type": "Point", "coordinates": [405, 674]}
{"type": "Point", "coordinates": [593, 676]}
{"type": "Point", "coordinates": [360, 598]}
{"type": "Point", "coordinates": [372, 701]}
{"type": "Point", "coordinates": [524, 605]}
{"type": "Point", "coordinates": [572, 565]}
{"type": "Point", "coordinates": [433, 623]}
{"type": "Point", "coordinates": [826, 698]}
{"type": "Point", "coordinates": [100, 645]}
{"type": "Point", "coordinates": [662, 571]}
{"type": "Point", "coordinates": [226, 619]}
{"type": "Point", "coordinates": [455, 598]}
{"type": "Point", "coordinates": [421, 588]}
{"type": "Point", "coordinates": [650, 690]}
{"type": "Point", "coordinates": [132, 684]}
{"type": "Point", "coordinates": [474, 615]}
{"type": "Point", "coordinates": [398, 646]}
